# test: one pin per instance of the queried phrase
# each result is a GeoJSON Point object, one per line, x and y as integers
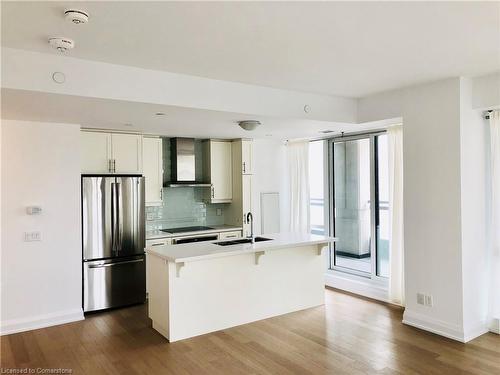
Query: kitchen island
{"type": "Point", "coordinates": [199, 288]}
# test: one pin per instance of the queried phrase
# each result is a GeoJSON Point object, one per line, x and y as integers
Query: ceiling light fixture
{"type": "Point", "coordinates": [326, 131]}
{"type": "Point", "coordinates": [61, 44]}
{"type": "Point", "coordinates": [160, 114]}
{"type": "Point", "coordinates": [76, 16]}
{"type": "Point", "coordinates": [249, 124]}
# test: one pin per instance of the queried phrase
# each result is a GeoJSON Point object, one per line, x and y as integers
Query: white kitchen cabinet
{"type": "Point", "coordinates": [152, 159]}
{"type": "Point", "coordinates": [152, 244]}
{"type": "Point", "coordinates": [103, 152]}
{"type": "Point", "coordinates": [127, 153]}
{"type": "Point", "coordinates": [228, 235]}
{"type": "Point", "coordinates": [246, 156]}
{"type": "Point", "coordinates": [95, 152]}
{"type": "Point", "coordinates": [218, 170]}
{"type": "Point", "coordinates": [246, 193]}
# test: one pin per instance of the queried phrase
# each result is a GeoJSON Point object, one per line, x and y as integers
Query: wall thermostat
{"type": "Point", "coordinates": [33, 210]}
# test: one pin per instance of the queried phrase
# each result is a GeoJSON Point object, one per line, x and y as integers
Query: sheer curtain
{"type": "Point", "coordinates": [298, 183]}
{"type": "Point", "coordinates": [396, 254]}
{"type": "Point", "coordinates": [495, 216]}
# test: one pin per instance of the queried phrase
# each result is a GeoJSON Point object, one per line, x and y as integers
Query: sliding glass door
{"type": "Point", "coordinates": [359, 204]}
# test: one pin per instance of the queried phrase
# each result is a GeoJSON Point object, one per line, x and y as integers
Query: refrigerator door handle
{"type": "Point", "coordinates": [114, 217]}
{"type": "Point", "coordinates": [119, 226]}
{"type": "Point", "coordinates": [115, 263]}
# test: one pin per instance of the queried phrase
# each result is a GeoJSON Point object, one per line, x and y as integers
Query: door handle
{"type": "Point", "coordinates": [114, 216]}
{"type": "Point", "coordinates": [115, 264]}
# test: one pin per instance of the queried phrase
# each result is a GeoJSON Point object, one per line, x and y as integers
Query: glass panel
{"type": "Point", "coordinates": [382, 215]}
{"type": "Point", "coordinates": [316, 186]}
{"type": "Point", "coordinates": [352, 199]}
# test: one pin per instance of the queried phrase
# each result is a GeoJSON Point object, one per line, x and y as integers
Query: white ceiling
{"type": "Point", "coordinates": [179, 121]}
{"type": "Point", "coordinates": [348, 49]}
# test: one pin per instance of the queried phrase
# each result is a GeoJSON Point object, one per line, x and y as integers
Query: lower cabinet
{"type": "Point", "coordinates": [228, 235]}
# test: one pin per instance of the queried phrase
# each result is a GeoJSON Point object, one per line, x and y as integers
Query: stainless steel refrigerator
{"type": "Point", "coordinates": [114, 269]}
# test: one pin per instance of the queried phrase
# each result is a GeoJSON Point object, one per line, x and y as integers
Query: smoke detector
{"type": "Point", "coordinates": [76, 16]}
{"type": "Point", "coordinates": [249, 124]}
{"type": "Point", "coordinates": [61, 44]}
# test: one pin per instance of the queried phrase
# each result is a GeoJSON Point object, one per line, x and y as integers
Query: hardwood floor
{"type": "Point", "coordinates": [349, 335]}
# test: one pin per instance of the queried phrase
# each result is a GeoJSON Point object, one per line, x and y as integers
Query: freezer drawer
{"type": "Point", "coordinates": [114, 283]}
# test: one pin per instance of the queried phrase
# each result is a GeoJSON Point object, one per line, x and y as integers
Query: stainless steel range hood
{"type": "Point", "coordinates": [183, 164]}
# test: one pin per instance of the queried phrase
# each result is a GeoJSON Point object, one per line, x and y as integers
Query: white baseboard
{"type": "Point", "coordinates": [26, 324]}
{"type": "Point", "coordinates": [438, 327]}
{"type": "Point", "coordinates": [356, 285]}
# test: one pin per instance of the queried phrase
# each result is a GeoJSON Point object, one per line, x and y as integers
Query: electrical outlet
{"type": "Point", "coordinates": [421, 298]}
{"type": "Point", "coordinates": [428, 301]}
{"type": "Point", "coordinates": [32, 236]}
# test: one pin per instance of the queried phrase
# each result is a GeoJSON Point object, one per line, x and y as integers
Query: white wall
{"type": "Point", "coordinates": [474, 143]}
{"type": "Point", "coordinates": [268, 176]}
{"type": "Point", "coordinates": [486, 91]}
{"type": "Point", "coordinates": [40, 281]}
{"type": "Point", "coordinates": [444, 202]}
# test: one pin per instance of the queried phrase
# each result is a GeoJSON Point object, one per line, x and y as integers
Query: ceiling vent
{"type": "Point", "coordinates": [62, 44]}
{"type": "Point", "coordinates": [76, 16]}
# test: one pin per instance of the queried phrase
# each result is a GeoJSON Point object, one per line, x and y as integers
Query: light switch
{"type": "Point", "coordinates": [32, 236]}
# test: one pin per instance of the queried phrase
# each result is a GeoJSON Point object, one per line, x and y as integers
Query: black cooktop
{"type": "Point", "coordinates": [186, 229]}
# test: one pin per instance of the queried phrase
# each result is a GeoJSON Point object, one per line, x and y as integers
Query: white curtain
{"type": "Point", "coordinates": [298, 181]}
{"type": "Point", "coordinates": [396, 253]}
{"type": "Point", "coordinates": [495, 216]}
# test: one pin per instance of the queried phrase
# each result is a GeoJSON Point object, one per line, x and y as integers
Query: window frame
{"type": "Point", "coordinates": [372, 277]}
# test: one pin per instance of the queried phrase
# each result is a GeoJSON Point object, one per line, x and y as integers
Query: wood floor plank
{"type": "Point", "coordinates": [348, 335]}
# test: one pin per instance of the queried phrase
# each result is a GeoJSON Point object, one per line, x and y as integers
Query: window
{"type": "Point", "coordinates": [359, 204]}
{"type": "Point", "coordinates": [316, 187]}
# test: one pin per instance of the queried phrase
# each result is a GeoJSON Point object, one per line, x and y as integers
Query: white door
{"type": "Point", "coordinates": [246, 156]}
{"type": "Point", "coordinates": [152, 159]}
{"type": "Point", "coordinates": [95, 152]}
{"type": "Point", "coordinates": [221, 171]}
{"type": "Point", "coordinates": [127, 153]}
{"type": "Point", "coordinates": [246, 202]}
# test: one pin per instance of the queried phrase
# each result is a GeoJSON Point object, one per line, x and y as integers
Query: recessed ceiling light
{"type": "Point", "coordinates": [269, 135]}
{"type": "Point", "coordinates": [160, 114]}
{"type": "Point", "coordinates": [326, 131]}
{"type": "Point", "coordinates": [128, 124]}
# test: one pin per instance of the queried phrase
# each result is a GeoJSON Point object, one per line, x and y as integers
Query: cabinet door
{"type": "Point", "coordinates": [221, 171]}
{"type": "Point", "coordinates": [127, 153]}
{"type": "Point", "coordinates": [95, 152]}
{"type": "Point", "coordinates": [246, 192]}
{"type": "Point", "coordinates": [246, 156]}
{"type": "Point", "coordinates": [152, 159]}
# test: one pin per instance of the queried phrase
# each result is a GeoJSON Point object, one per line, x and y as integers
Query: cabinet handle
{"type": "Point", "coordinates": [161, 194]}
{"type": "Point", "coordinates": [213, 192]}
{"type": "Point", "coordinates": [244, 167]}
{"type": "Point", "coordinates": [114, 165]}
{"type": "Point", "coordinates": [110, 169]}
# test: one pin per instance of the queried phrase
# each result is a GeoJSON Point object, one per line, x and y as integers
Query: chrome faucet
{"type": "Point", "coordinates": [250, 220]}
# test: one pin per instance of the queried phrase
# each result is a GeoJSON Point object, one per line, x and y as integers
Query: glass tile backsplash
{"type": "Point", "coordinates": [183, 206]}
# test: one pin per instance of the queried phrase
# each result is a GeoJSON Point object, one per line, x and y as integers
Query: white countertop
{"type": "Point", "coordinates": [155, 234]}
{"type": "Point", "coordinates": [206, 250]}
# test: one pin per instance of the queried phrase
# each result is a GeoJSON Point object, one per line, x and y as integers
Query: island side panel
{"type": "Point", "coordinates": [158, 296]}
{"type": "Point", "coordinates": [214, 294]}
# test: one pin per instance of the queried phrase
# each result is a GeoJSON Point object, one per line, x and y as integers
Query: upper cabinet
{"type": "Point", "coordinates": [111, 152]}
{"type": "Point", "coordinates": [246, 156]}
{"type": "Point", "coordinates": [152, 159]}
{"type": "Point", "coordinates": [95, 152]}
{"type": "Point", "coordinates": [218, 170]}
{"type": "Point", "coordinates": [126, 151]}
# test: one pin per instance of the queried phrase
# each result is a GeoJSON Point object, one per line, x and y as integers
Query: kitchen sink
{"type": "Point", "coordinates": [242, 240]}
